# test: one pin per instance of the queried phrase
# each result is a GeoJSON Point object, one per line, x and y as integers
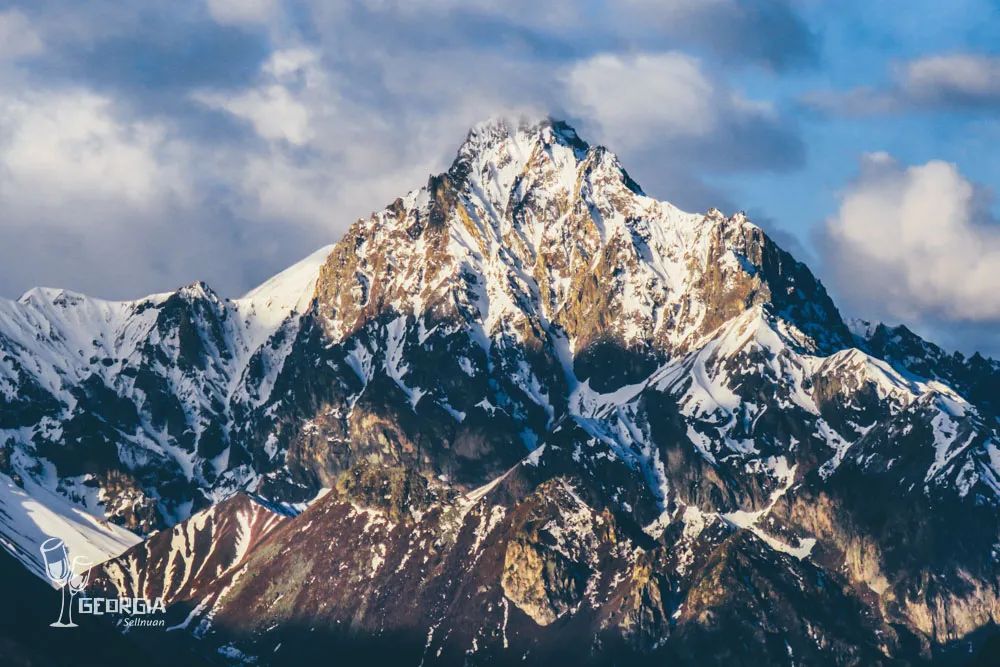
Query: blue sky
{"type": "Point", "coordinates": [861, 43]}
{"type": "Point", "coordinates": [144, 145]}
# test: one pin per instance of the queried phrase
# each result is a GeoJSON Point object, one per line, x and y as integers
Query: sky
{"type": "Point", "coordinates": [146, 145]}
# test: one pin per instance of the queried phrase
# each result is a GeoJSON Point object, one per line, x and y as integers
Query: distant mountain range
{"type": "Point", "coordinates": [525, 414]}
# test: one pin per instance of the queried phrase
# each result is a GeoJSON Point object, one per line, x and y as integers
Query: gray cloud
{"type": "Point", "coordinates": [242, 12]}
{"type": "Point", "coordinates": [768, 32]}
{"type": "Point", "coordinates": [958, 81]}
{"type": "Point", "coordinates": [17, 37]}
{"type": "Point", "coordinates": [764, 32]}
{"type": "Point", "coordinates": [146, 146]}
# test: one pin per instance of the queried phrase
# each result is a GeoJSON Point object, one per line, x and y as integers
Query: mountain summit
{"type": "Point", "coordinates": [525, 411]}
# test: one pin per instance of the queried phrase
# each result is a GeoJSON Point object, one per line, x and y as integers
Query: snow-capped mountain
{"type": "Point", "coordinates": [558, 418]}
{"type": "Point", "coordinates": [123, 411]}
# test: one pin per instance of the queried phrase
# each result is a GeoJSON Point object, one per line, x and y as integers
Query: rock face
{"type": "Point", "coordinates": [559, 420]}
{"type": "Point", "coordinates": [176, 564]}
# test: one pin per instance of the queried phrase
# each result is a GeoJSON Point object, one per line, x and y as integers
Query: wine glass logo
{"type": "Point", "coordinates": [56, 560]}
{"type": "Point", "coordinates": [70, 578]}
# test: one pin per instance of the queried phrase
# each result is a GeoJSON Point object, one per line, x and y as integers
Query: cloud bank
{"type": "Point", "coordinates": [146, 146]}
{"type": "Point", "coordinates": [916, 244]}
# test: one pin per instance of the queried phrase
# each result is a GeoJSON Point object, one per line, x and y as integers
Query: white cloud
{"type": "Point", "coordinates": [331, 155]}
{"type": "Point", "coordinates": [655, 97]}
{"type": "Point", "coordinates": [278, 107]}
{"type": "Point", "coordinates": [294, 63]}
{"type": "Point", "coordinates": [915, 243]}
{"type": "Point", "coordinates": [667, 109]}
{"type": "Point", "coordinates": [636, 96]}
{"type": "Point", "coordinates": [241, 12]}
{"type": "Point", "coordinates": [938, 78]}
{"type": "Point", "coordinates": [66, 147]}
{"type": "Point", "coordinates": [18, 37]}
{"type": "Point", "coordinates": [273, 110]}
{"type": "Point", "coordinates": [94, 200]}
{"type": "Point", "coordinates": [943, 81]}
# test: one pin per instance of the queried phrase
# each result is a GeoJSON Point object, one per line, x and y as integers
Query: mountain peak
{"type": "Point", "coordinates": [490, 133]}
{"type": "Point", "coordinates": [501, 144]}
{"type": "Point", "coordinates": [199, 289]}
{"type": "Point", "coordinates": [532, 226]}
{"type": "Point", "coordinates": [501, 159]}
{"type": "Point", "coordinates": [54, 295]}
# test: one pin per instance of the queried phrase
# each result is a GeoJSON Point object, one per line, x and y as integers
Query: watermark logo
{"type": "Point", "coordinates": [71, 576]}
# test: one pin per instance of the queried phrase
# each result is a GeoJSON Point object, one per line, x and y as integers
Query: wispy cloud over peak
{"type": "Point", "coordinates": [669, 101]}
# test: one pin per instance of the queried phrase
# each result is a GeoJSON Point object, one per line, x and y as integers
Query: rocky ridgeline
{"type": "Point", "coordinates": [558, 420]}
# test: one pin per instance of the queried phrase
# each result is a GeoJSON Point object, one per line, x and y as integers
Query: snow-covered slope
{"type": "Point", "coordinates": [32, 514]}
{"type": "Point", "coordinates": [138, 395]}
{"type": "Point", "coordinates": [269, 304]}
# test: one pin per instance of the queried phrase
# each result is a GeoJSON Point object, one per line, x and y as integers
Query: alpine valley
{"type": "Point", "coordinates": [523, 415]}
